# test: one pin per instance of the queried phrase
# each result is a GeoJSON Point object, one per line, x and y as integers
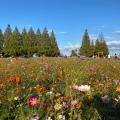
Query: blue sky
{"type": "Point", "coordinates": [68, 19]}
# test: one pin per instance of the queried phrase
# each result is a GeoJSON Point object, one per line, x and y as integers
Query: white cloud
{"type": "Point", "coordinates": [113, 45]}
{"type": "Point", "coordinates": [67, 49]}
{"type": "Point", "coordinates": [117, 32]}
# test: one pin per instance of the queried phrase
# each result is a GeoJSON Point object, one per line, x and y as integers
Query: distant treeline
{"type": "Point", "coordinates": [28, 43]}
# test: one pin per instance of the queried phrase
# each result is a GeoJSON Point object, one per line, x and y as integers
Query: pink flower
{"type": "Point", "coordinates": [33, 101]}
{"type": "Point", "coordinates": [75, 87]}
{"type": "Point", "coordinates": [91, 68]}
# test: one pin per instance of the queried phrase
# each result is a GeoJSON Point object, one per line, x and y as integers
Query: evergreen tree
{"type": "Point", "coordinates": [38, 42]}
{"type": "Point", "coordinates": [54, 50]}
{"type": "Point", "coordinates": [1, 41]}
{"type": "Point", "coordinates": [7, 36]}
{"type": "Point", "coordinates": [45, 48]}
{"type": "Point", "coordinates": [31, 43]}
{"type": "Point", "coordinates": [15, 43]}
{"type": "Point", "coordinates": [100, 45]}
{"type": "Point", "coordinates": [85, 47]}
{"type": "Point", "coordinates": [92, 51]}
{"type": "Point", "coordinates": [24, 41]}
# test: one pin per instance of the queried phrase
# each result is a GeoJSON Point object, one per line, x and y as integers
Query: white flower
{"type": "Point", "coordinates": [57, 106]}
{"type": "Point", "coordinates": [61, 117]}
{"type": "Point", "coordinates": [84, 88]}
{"type": "Point", "coordinates": [15, 98]}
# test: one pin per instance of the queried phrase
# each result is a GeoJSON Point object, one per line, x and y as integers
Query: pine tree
{"type": "Point", "coordinates": [85, 47]}
{"type": "Point", "coordinates": [1, 41]}
{"type": "Point", "coordinates": [54, 50]}
{"type": "Point", "coordinates": [38, 42]}
{"type": "Point", "coordinates": [7, 36]}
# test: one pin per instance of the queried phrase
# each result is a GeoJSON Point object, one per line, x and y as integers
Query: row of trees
{"type": "Point", "coordinates": [28, 43]}
{"type": "Point", "coordinates": [89, 48]}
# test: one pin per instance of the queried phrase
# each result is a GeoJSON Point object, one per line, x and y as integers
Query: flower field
{"type": "Point", "coordinates": [59, 89]}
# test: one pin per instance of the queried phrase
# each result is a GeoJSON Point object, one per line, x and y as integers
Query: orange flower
{"type": "Point", "coordinates": [2, 84]}
{"type": "Point", "coordinates": [48, 109]}
{"type": "Point", "coordinates": [89, 82]}
{"type": "Point", "coordinates": [10, 79]}
{"type": "Point", "coordinates": [60, 72]}
{"type": "Point", "coordinates": [119, 72]}
{"type": "Point", "coordinates": [78, 106]}
{"type": "Point", "coordinates": [118, 89]}
{"type": "Point", "coordinates": [17, 79]}
{"type": "Point", "coordinates": [0, 95]}
{"type": "Point", "coordinates": [97, 81]}
{"type": "Point", "coordinates": [16, 90]}
{"type": "Point", "coordinates": [43, 78]}
{"type": "Point", "coordinates": [37, 86]}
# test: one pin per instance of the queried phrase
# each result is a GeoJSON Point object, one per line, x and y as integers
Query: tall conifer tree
{"type": "Point", "coordinates": [7, 36]}
{"type": "Point", "coordinates": [54, 46]}
{"type": "Point", "coordinates": [38, 42]}
{"type": "Point", "coordinates": [31, 43]}
{"type": "Point", "coordinates": [24, 41]}
{"type": "Point", "coordinates": [1, 42]}
{"type": "Point", "coordinates": [85, 47]}
{"type": "Point", "coordinates": [15, 43]}
{"type": "Point", "coordinates": [45, 42]}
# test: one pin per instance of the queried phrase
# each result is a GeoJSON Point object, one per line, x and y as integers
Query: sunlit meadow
{"type": "Point", "coordinates": [59, 89]}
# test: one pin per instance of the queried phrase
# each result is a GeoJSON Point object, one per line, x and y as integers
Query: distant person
{"type": "Point", "coordinates": [115, 56]}
{"type": "Point", "coordinates": [108, 56]}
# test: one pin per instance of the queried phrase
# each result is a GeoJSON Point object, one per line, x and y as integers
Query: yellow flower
{"type": "Point", "coordinates": [10, 99]}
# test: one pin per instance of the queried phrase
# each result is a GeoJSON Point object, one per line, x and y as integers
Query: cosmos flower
{"type": "Point", "coordinates": [84, 88]}
{"type": "Point", "coordinates": [33, 101]}
{"type": "Point", "coordinates": [74, 102]}
{"type": "Point", "coordinates": [91, 68]}
{"type": "Point", "coordinates": [57, 106]}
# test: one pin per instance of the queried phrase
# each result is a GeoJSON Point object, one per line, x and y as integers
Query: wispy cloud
{"type": "Point", "coordinates": [29, 25]}
{"type": "Point", "coordinates": [110, 38]}
{"type": "Point", "coordinates": [93, 37]}
{"type": "Point", "coordinates": [61, 32]}
{"type": "Point", "coordinates": [50, 30]}
{"type": "Point", "coordinates": [104, 25]}
{"type": "Point", "coordinates": [117, 32]}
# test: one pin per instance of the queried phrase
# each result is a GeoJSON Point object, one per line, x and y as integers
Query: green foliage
{"type": "Point", "coordinates": [88, 49]}
{"type": "Point", "coordinates": [7, 36]}
{"type": "Point", "coordinates": [60, 81]}
{"type": "Point", "coordinates": [54, 50]}
{"type": "Point", "coordinates": [1, 41]}
{"type": "Point", "coordinates": [101, 46]}
{"type": "Point", "coordinates": [85, 47]}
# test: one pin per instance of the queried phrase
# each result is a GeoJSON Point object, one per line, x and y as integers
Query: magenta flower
{"type": "Point", "coordinates": [33, 101]}
{"type": "Point", "coordinates": [45, 104]}
{"type": "Point", "coordinates": [91, 68]}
